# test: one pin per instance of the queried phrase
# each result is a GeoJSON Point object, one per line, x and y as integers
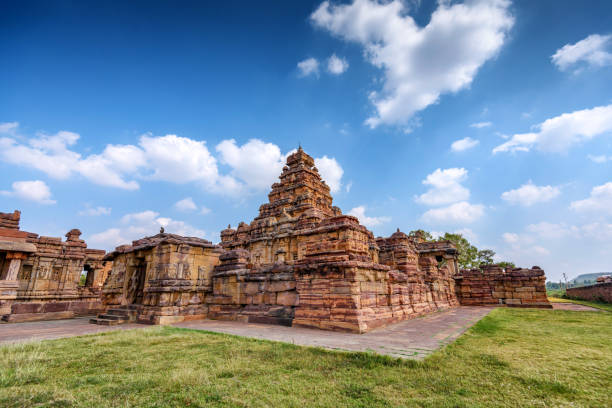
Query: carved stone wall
{"type": "Point", "coordinates": [167, 276]}
{"type": "Point", "coordinates": [44, 282]}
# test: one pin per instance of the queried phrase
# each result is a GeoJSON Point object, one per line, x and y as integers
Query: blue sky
{"type": "Point", "coordinates": [493, 118]}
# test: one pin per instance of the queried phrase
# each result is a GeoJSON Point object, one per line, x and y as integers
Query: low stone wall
{"type": "Point", "coordinates": [492, 285]}
{"type": "Point", "coordinates": [601, 292]}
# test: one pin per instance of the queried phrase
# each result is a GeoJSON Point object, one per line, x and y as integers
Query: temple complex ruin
{"type": "Point", "coordinates": [301, 262]}
{"type": "Point", "coordinates": [40, 277]}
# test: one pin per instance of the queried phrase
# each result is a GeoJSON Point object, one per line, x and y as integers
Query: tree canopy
{"type": "Point", "coordinates": [469, 256]}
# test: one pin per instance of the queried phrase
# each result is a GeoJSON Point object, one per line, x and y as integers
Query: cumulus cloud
{"type": "Point", "coordinates": [445, 187]}
{"type": "Point", "coordinates": [309, 66]}
{"type": "Point", "coordinates": [457, 213]}
{"type": "Point", "coordinates": [256, 163]}
{"type": "Point", "coordinates": [593, 51]}
{"type": "Point", "coordinates": [419, 63]}
{"type": "Point", "coordinates": [510, 237]}
{"type": "Point", "coordinates": [480, 125]}
{"type": "Point", "coordinates": [464, 144]}
{"type": "Point", "coordinates": [134, 226]}
{"type": "Point", "coordinates": [35, 190]}
{"type": "Point", "coordinates": [529, 194]}
{"type": "Point", "coordinates": [599, 158]}
{"type": "Point", "coordinates": [9, 128]}
{"type": "Point", "coordinates": [95, 211]}
{"type": "Point", "coordinates": [331, 172]}
{"type": "Point", "coordinates": [171, 158]}
{"type": "Point", "coordinates": [600, 201]}
{"type": "Point", "coordinates": [336, 65]}
{"type": "Point", "coordinates": [369, 222]}
{"type": "Point", "coordinates": [560, 133]}
{"type": "Point", "coordinates": [186, 204]}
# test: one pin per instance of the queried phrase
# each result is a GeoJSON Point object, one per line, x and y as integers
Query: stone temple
{"type": "Point", "coordinates": [301, 262]}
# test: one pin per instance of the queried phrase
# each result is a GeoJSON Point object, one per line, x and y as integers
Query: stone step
{"type": "Point", "coordinates": [106, 322]}
{"type": "Point", "coordinates": [109, 316]}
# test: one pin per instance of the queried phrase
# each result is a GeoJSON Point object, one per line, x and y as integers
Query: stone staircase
{"type": "Point", "coordinates": [119, 315]}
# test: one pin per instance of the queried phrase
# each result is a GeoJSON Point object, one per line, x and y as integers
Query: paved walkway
{"type": "Point", "coordinates": [414, 338]}
{"type": "Point", "coordinates": [575, 307]}
{"type": "Point", "coordinates": [54, 329]}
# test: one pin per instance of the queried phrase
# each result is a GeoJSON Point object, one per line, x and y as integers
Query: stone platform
{"type": "Point", "coordinates": [412, 339]}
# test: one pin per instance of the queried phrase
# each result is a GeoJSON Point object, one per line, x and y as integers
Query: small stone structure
{"type": "Point", "coordinates": [299, 262]}
{"type": "Point", "coordinates": [40, 276]}
{"type": "Point", "coordinates": [492, 285]}
{"type": "Point", "coordinates": [600, 292]}
{"type": "Point", "coordinates": [165, 278]}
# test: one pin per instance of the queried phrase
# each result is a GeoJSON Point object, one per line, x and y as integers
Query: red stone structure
{"type": "Point", "coordinates": [40, 277]}
{"type": "Point", "coordinates": [600, 292]}
{"type": "Point", "coordinates": [299, 262]}
{"type": "Point", "coordinates": [492, 285]}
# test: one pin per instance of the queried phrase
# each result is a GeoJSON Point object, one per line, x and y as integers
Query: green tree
{"type": "Point", "coordinates": [468, 253]}
{"type": "Point", "coordinates": [485, 257]}
{"type": "Point", "coordinates": [506, 264]}
{"type": "Point", "coordinates": [426, 235]}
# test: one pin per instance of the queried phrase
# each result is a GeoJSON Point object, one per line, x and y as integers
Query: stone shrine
{"type": "Point", "coordinates": [40, 277]}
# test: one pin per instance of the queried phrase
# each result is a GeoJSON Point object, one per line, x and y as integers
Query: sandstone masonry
{"type": "Point", "coordinates": [40, 276]}
{"type": "Point", "coordinates": [299, 262]}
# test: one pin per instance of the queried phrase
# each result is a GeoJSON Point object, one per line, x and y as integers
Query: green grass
{"type": "Point", "coordinates": [511, 358]}
{"type": "Point", "coordinates": [597, 305]}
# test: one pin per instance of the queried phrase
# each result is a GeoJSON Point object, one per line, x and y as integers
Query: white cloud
{"type": "Point", "coordinates": [330, 171]}
{"type": "Point", "coordinates": [464, 144]}
{"type": "Point", "coordinates": [419, 63]}
{"type": "Point", "coordinates": [348, 187]}
{"type": "Point", "coordinates": [180, 160]}
{"type": "Point", "coordinates": [336, 65]}
{"type": "Point", "coordinates": [599, 159]}
{"type": "Point", "coordinates": [138, 225]}
{"type": "Point", "coordinates": [550, 230]}
{"type": "Point", "coordinates": [186, 204]}
{"type": "Point", "coordinates": [530, 194]}
{"type": "Point", "coordinates": [510, 237]}
{"type": "Point", "coordinates": [9, 128]}
{"type": "Point", "coordinates": [600, 200]}
{"type": "Point", "coordinates": [457, 213]}
{"type": "Point", "coordinates": [558, 134]}
{"type": "Point", "coordinates": [445, 187]}
{"type": "Point", "coordinates": [35, 190]}
{"type": "Point", "coordinates": [593, 51]}
{"type": "Point", "coordinates": [205, 210]}
{"type": "Point", "coordinates": [256, 163]}
{"type": "Point", "coordinates": [309, 66]}
{"type": "Point", "coordinates": [481, 125]}
{"type": "Point", "coordinates": [253, 166]}
{"type": "Point", "coordinates": [369, 222]}
{"type": "Point", "coordinates": [95, 211]}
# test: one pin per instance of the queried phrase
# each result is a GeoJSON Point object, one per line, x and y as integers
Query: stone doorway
{"type": "Point", "coordinates": [135, 289]}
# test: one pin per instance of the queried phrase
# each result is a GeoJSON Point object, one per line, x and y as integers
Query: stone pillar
{"type": "Point", "coordinates": [15, 265]}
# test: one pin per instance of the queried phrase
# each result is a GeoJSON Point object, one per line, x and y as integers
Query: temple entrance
{"type": "Point", "coordinates": [135, 289]}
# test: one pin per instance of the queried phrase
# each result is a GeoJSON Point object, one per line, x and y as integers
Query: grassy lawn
{"type": "Point", "coordinates": [597, 305]}
{"type": "Point", "coordinates": [510, 358]}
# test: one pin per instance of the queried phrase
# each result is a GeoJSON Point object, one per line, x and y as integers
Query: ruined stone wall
{"type": "Point", "coordinates": [600, 292]}
{"type": "Point", "coordinates": [47, 278]}
{"type": "Point", "coordinates": [492, 285]}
